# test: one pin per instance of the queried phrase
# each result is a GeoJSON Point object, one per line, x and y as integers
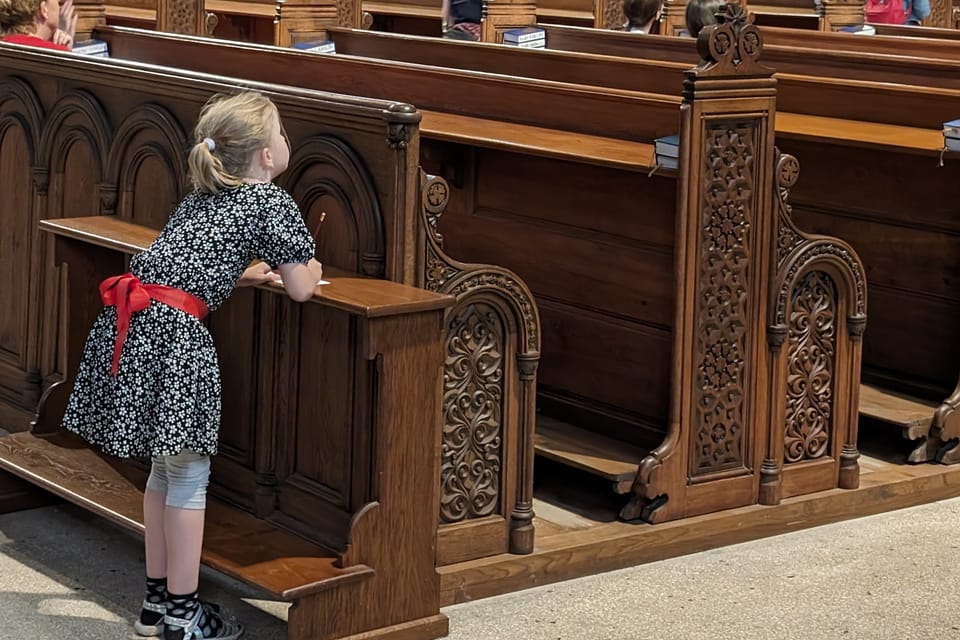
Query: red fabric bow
{"type": "Point", "coordinates": [130, 296]}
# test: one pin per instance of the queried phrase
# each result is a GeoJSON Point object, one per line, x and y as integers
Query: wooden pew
{"type": "Point", "coordinates": [360, 168]}
{"type": "Point", "coordinates": [313, 497]}
{"type": "Point", "coordinates": [566, 390]}
{"type": "Point", "coordinates": [851, 101]}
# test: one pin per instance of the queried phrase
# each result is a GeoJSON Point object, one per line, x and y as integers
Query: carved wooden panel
{"type": "Point", "coordinates": [15, 240]}
{"type": "Point", "coordinates": [941, 14]}
{"type": "Point", "coordinates": [811, 367]}
{"type": "Point", "coordinates": [472, 448]}
{"type": "Point", "coordinates": [723, 314]}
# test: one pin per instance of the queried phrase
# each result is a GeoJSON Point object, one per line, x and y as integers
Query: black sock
{"type": "Point", "coordinates": [185, 607]}
{"type": "Point", "coordinates": [156, 594]}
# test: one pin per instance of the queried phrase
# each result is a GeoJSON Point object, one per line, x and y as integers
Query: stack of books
{"type": "Point", "coordinates": [528, 38]}
{"type": "Point", "coordinates": [859, 30]}
{"type": "Point", "coordinates": [96, 48]}
{"type": "Point", "coordinates": [951, 135]}
{"type": "Point", "coordinates": [668, 151]}
{"type": "Point", "coordinates": [322, 46]}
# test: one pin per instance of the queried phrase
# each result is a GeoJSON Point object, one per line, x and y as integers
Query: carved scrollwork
{"type": "Point", "coordinates": [398, 135]}
{"type": "Point", "coordinates": [788, 237]}
{"type": "Point", "coordinates": [613, 16]}
{"type": "Point", "coordinates": [731, 46]}
{"type": "Point", "coordinates": [471, 453]}
{"type": "Point", "coordinates": [435, 194]}
{"type": "Point", "coordinates": [181, 16]}
{"type": "Point", "coordinates": [810, 368]}
{"type": "Point", "coordinates": [723, 316]}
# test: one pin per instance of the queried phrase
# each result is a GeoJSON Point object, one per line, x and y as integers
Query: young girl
{"type": "Point", "coordinates": [38, 23]}
{"type": "Point", "coordinates": [149, 383]}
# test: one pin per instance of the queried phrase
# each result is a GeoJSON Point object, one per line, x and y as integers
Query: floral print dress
{"type": "Point", "coordinates": [166, 395]}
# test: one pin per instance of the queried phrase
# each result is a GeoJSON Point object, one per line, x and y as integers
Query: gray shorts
{"type": "Point", "coordinates": [183, 478]}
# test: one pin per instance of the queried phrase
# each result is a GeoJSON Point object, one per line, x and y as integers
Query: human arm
{"type": "Point", "coordinates": [257, 273]}
{"type": "Point", "coordinates": [300, 280]}
{"type": "Point", "coordinates": [67, 30]}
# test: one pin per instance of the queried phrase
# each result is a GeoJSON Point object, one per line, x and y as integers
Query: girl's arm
{"type": "Point", "coordinates": [300, 280]}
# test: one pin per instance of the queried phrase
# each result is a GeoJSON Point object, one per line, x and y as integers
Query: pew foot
{"type": "Point", "coordinates": [849, 468]}
{"type": "Point", "coordinates": [521, 535]}
{"type": "Point", "coordinates": [771, 483]}
{"type": "Point", "coordinates": [644, 509]}
{"type": "Point", "coordinates": [948, 452]}
{"type": "Point", "coordinates": [924, 451]}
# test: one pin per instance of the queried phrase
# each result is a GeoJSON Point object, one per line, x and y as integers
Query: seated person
{"type": "Point", "coordinates": [701, 13]}
{"type": "Point", "coordinates": [917, 11]}
{"type": "Point", "coordinates": [641, 14]}
{"type": "Point", "coordinates": [38, 23]}
{"type": "Point", "coordinates": [461, 19]}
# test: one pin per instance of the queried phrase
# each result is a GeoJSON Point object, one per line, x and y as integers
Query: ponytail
{"type": "Point", "coordinates": [230, 130]}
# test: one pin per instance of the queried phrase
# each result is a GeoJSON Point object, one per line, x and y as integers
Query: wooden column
{"type": "Point", "coordinates": [608, 14]}
{"type": "Point", "coordinates": [673, 18]}
{"type": "Point", "coordinates": [840, 13]}
{"type": "Point", "coordinates": [503, 15]}
{"type": "Point", "coordinates": [719, 410]}
{"type": "Point", "coordinates": [308, 20]}
{"type": "Point", "coordinates": [182, 16]}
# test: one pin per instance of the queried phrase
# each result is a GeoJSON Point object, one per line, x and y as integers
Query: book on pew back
{"type": "Point", "coordinates": [321, 46]}
{"type": "Point", "coordinates": [667, 151]}
{"type": "Point", "coordinates": [97, 48]}
{"type": "Point", "coordinates": [528, 38]}
{"type": "Point", "coordinates": [951, 135]}
{"type": "Point", "coordinates": [859, 30]}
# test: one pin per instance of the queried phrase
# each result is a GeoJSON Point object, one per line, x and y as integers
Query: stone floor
{"type": "Point", "coordinates": [67, 574]}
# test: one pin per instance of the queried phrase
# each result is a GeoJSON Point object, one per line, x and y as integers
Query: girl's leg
{"type": "Point", "coordinates": [188, 475]}
{"type": "Point", "coordinates": [150, 621]}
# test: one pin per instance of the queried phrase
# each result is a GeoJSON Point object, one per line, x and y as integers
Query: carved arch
{"type": "Point", "coordinates": [495, 312]}
{"type": "Point", "coordinates": [94, 128]}
{"type": "Point", "coordinates": [150, 131]}
{"type": "Point", "coordinates": [327, 167]}
{"type": "Point", "coordinates": [27, 111]}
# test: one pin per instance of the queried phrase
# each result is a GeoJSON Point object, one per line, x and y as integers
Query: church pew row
{"type": "Point", "coordinates": [603, 277]}
{"type": "Point", "coordinates": [898, 218]}
{"type": "Point", "coordinates": [90, 147]}
{"type": "Point", "coordinates": [314, 499]}
{"type": "Point", "coordinates": [818, 102]}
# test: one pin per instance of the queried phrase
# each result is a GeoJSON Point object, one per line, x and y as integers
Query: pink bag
{"type": "Point", "coordinates": [885, 12]}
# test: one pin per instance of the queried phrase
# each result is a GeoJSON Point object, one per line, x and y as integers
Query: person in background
{"type": "Point", "coordinates": [641, 14]}
{"type": "Point", "coordinates": [38, 23]}
{"type": "Point", "coordinates": [917, 11]}
{"type": "Point", "coordinates": [461, 19]}
{"type": "Point", "coordinates": [701, 13]}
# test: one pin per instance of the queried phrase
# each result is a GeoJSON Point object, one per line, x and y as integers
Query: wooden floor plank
{"type": "Point", "coordinates": [235, 542]}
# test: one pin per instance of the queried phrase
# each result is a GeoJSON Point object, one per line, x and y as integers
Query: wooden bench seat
{"type": "Point", "coordinates": [236, 543]}
{"type": "Point", "coordinates": [613, 460]}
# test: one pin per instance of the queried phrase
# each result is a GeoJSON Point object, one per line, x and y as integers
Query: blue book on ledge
{"type": "Point", "coordinates": [526, 34]}
{"type": "Point", "coordinates": [317, 46]}
{"type": "Point", "coordinates": [668, 146]}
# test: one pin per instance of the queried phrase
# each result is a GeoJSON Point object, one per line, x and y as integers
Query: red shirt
{"type": "Point", "coordinates": [34, 41]}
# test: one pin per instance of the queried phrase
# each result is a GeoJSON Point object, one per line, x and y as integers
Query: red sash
{"type": "Point", "coordinates": [130, 296]}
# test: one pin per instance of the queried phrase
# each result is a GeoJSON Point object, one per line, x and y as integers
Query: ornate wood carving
{"type": "Point", "coordinates": [182, 16]}
{"type": "Point", "coordinates": [940, 14]}
{"type": "Point", "coordinates": [608, 14]}
{"type": "Point", "coordinates": [471, 457]}
{"type": "Point", "coordinates": [820, 305]}
{"type": "Point", "coordinates": [724, 246]}
{"type": "Point", "coordinates": [494, 318]}
{"type": "Point", "coordinates": [810, 368]}
{"type": "Point", "coordinates": [724, 305]}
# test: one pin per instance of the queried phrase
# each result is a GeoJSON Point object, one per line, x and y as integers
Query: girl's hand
{"type": "Point", "coordinates": [316, 269]}
{"type": "Point", "coordinates": [259, 273]}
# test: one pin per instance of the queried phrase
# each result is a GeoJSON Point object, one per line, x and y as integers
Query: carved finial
{"type": "Point", "coordinates": [732, 46]}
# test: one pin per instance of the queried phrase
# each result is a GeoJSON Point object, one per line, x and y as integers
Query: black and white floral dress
{"type": "Point", "coordinates": [166, 395]}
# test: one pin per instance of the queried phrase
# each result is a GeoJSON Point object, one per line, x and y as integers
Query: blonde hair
{"type": "Point", "coordinates": [18, 16]}
{"type": "Point", "coordinates": [236, 127]}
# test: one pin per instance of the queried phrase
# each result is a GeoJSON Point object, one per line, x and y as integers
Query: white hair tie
{"type": "Point", "coordinates": [210, 143]}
